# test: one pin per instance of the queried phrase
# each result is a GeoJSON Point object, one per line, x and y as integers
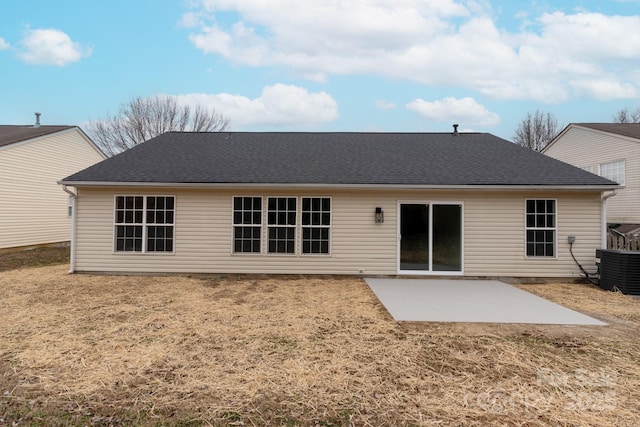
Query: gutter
{"type": "Point", "coordinates": [72, 256]}
{"type": "Point", "coordinates": [285, 185]}
{"type": "Point", "coordinates": [603, 239]}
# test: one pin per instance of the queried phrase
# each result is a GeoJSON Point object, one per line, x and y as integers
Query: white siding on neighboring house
{"type": "Point", "coordinates": [589, 148]}
{"type": "Point", "coordinates": [494, 233]}
{"type": "Point", "coordinates": [33, 207]}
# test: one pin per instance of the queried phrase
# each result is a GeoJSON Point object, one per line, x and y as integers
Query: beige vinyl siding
{"type": "Point", "coordinates": [588, 147]}
{"type": "Point", "coordinates": [33, 207]}
{"type": "Point", "coordinates": [493, 234]}
{"type": "Point", "coordinates": [203, 236]}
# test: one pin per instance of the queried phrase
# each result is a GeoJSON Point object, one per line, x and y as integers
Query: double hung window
{"type": "Point", "coordinates": [293, 225]}
{"type": "Point", "coordinates": [316, 222]}
{"type": "Point", "coordinates": [247, 224]}
{"type": "Point", "coordinates": [613, 171]}
{"type": "Point", "coordinates": [129, 223]}
{"type": "Point", "coordinates": [541, 228]}
{"type": "Point", "coordinates": [160, 219]}
{"type": "Point", "coordinates": [144, 223]}
{"type": "Point", "coordinates": [281, 219]}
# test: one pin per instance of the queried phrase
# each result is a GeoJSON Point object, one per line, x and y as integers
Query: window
{"type": "Point", "coordinates": [160, 212]}
{"type": "Point", "coordinates": [613, 171]}
{"type": "Point", "coordinates": [247, 224]}
{"type": "Point", "coordinates": [288, 220]}
{"type": "Point", "coordinates": [316, 221]}
{"type": "Point", "coordinates": [281, 219]}
{"type": "Point", "coordinates": [129, 210]}
{"type": "Point", "coordinates": [144, 224]}
{"type": "Point", "coordinates": [541, 228]}
{"type": "Point", "coordinates": [588, 168]}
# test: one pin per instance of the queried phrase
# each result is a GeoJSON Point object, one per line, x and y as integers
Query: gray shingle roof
{"type": "Point", "coordinates": [631, 130]}
{"type": "Point", "coordinates": [10, 134]}
{"type": "Point", "coordinates": [438, 159]}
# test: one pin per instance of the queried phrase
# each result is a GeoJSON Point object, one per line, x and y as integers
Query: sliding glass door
{"type": "Point", "coordinates": [430, 237]}
{"type": "Point", "coordinates": [414, 237]}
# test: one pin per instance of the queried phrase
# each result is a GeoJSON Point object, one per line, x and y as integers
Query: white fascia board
{"type": "Point", "coordinates": [340, 186]}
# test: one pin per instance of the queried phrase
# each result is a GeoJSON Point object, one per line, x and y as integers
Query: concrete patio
{"type": "Point", "coordinates": [482, 301]}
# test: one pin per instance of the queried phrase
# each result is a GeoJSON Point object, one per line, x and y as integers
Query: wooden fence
{"type": "Point", "coordinates": [623, 243]}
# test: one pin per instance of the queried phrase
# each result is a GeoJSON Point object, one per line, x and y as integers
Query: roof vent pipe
{"type": "Point", "coordinates": [37, 125]}
{"type": "Point", "coordinates": [455, 129]}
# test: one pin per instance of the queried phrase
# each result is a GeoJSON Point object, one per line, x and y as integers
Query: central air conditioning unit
{"type": "Point", "coordinates": [619, 270]}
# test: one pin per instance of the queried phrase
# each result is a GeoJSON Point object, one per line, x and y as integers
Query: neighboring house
{"type": "Point", "coordinates": [34, 210]}
{"type": "Point", "coordinates": [611, 150]}
{"type": "Point", "coordinates": [463, 204]}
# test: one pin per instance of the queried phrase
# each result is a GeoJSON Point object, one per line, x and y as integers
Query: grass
{"type": "Point", "coordinates": [152, 351]}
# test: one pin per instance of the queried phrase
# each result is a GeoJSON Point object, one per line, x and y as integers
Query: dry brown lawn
{"type": "Point", "coordinates": [94, 350]}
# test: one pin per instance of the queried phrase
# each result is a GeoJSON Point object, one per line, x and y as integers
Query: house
{"type": "Point", "coordinates": [32, 159]}
{"type": "Point", "coordinates": [457, 204]}
{"type": "Point", "coordinates": [611, 150]}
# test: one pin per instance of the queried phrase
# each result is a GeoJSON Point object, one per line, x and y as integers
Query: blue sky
{"type": "Point", "coordinates": [324, 65]}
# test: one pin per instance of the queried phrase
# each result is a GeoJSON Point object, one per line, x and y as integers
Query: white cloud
{"type": "Point", "coordinates": [606, 90]}
{"type": "Point", "coordinates": [51, 47]}
{"type": "Point", "coordinates": [385, 105]}
{"type": "Point", "coordinates": [4, 45]}
{"type": "Point", "coordinates": [465, 111]}
{"type": "Point", "coordinates": [190, 20]}
{"type": "Point", "coordinates": [446, 42]}
{"type": "Point", "coordinates": [278, 105]}
{"type": "Point", "coordinates": [590, 36]}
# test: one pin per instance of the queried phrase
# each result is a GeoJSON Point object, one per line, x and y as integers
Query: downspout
{"type": "Point", "coordinates": [603, 239]}
{"type": "Point", "coordinates": [72, 256]}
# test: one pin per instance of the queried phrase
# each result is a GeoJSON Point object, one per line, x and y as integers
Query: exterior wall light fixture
{"type": "Point", "coordinates": [379, 216]}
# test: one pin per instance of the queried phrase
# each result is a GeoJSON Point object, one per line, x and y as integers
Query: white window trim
{"type": "Point", "coordinates": [429, 272]}
{"type": "Point", "coordinates": [555, 240]}
{"type": "Point", "coordinates": [234, 225]}
{"type": "Point", "coordinates": [624, 169]}
{"type": "Point", "coordinates": [330, 226]}
{"type": "Point", "coordinates": [264, 228]}
{"type": "Point", "coordinates": [144, 225]}
{"type": "Point", "coordinates": [296, 236]}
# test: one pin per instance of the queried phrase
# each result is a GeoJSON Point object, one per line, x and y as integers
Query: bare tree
{"type": "Point", "coordinates": [143, 118]}
{"type": "Point", "coordinates": [536, 130]}
{"type": "Point", "coordinates": [627, 116]}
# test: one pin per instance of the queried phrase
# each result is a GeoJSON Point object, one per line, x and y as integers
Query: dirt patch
{"type": "Point", "coordinates": [34, 257]}
{"type": "Point", "coordinates": [102, 350]}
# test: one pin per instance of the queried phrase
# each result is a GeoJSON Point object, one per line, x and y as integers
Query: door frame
{"type": "Point", "coordinates": [429, 203]}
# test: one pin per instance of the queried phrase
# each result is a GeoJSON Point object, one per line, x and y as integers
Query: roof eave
{"type": "Point", "coordinates": [339, 186]}
{"type": "Point", "coordinates": [584, 127]}
{"type": "Point", "coordinates": [45, 136]}
{"type": "Point", "coordinates": [607, 132]}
